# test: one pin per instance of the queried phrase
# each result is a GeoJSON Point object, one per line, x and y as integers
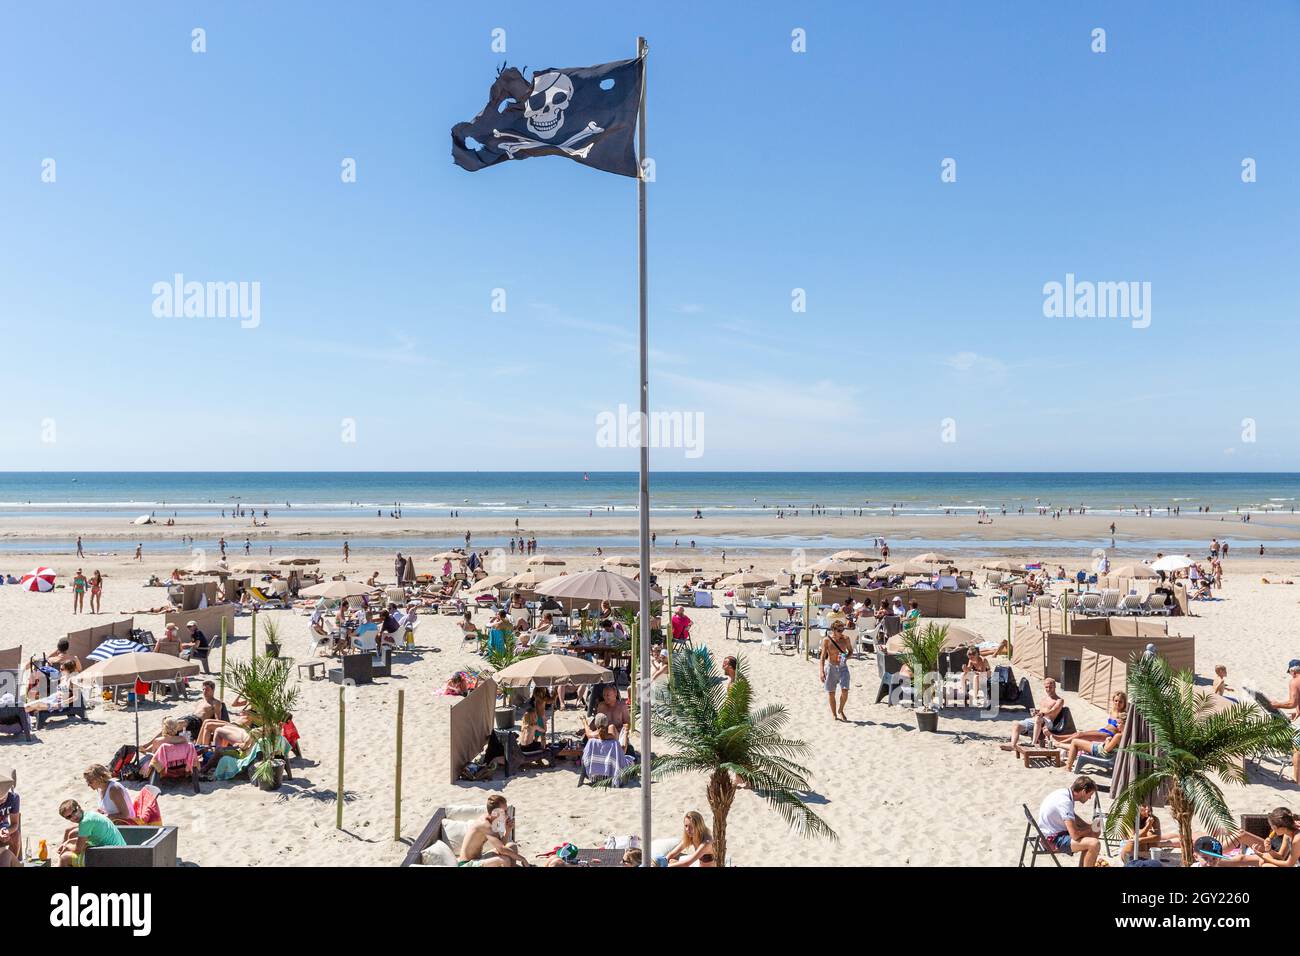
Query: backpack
{"type": "Point", "coordinates": [125, 764]}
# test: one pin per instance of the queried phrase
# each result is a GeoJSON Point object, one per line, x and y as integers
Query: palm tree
{"type": "Point", "coordinates": [1191, 745]}
{"type": "Point", "coordinates": [714, 731]}
{"type": "Point", "coordinates": [264, 683]}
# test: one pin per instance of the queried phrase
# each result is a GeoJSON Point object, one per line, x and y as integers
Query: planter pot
{"type": "Point", "coordinates": [505, 718]}
{"type": "Point", "coordinates": [927, 721]}
{"type": "Point", "coordinates": [277, 777]}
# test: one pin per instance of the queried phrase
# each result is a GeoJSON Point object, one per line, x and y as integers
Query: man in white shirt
{"type": "Point", "coordinates": [1062, 829]}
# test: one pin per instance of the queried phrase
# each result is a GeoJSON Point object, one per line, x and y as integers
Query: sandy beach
{"type": "Point", "coordinates": [894, 796]}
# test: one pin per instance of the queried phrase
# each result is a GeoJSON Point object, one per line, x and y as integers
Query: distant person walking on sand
{"type": "Point", "coordinates": [346, 551]}
{"type": "Point", "coordinates": [248, 546]}
{"type": "Point", "coordinates": [96, 591]}
{"type": "Point", "coordinates": [834, 668]}
{"type": "Point", "coordinates": [80, 553]}
{"type": "Point", "coordinates": [139, 552]}
{"type": "Point", "coordinates": [222, 544]}
{"type": "Point", "coordinates": [78, 592]}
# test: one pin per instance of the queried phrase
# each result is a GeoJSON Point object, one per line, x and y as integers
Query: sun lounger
{"type": "Point", "coordinates": [263, 601]}
{"type": "Point", "coordinates": [175, 762]}
{"type": "Point", "coordinates": [892, 682]}
{"type": "Point", "coordinates": [15, 721]}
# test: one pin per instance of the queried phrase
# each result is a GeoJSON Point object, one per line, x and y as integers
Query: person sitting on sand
{"type": "Point", "coordinates": [1040, 719]}
{"type": "Point", "coordinates": [89, 829]}
{"type": "Point", "coordinates": [490, 832]}
{"type": "Point", "coordinates": [1062, 829]}
{"type": "Point", "coordinates": [1148, 834]}
{"type": "Point", "coordinates": [455, 686]}
{"type": "Point", "coordinates": [695, 847]}
{"type": "Point", "coordinates": [1281, 848]}
{"type": "Point", "coordinates": [63, 694]}
{"type": "Point", "coordinates": [114, 799]}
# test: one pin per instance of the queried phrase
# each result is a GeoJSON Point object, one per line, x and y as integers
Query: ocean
{"type": "Point", "coordinates": [524, 494]}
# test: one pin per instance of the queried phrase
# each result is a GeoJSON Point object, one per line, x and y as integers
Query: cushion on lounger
{"type": "Point", "coordinates": [438, 854]}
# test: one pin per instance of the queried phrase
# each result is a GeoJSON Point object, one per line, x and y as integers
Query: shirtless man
{"type": "Point", "coordinates": [1040, 719]}
{"type": "Point", "coordinates": [1292, 703]}
{"type": "Point", "coordinates": [833, 667]}
{"type": "Point", "coordinates": [490, 831]}
{"type": "Point", "coordinates": [616, 709]}
{"type": "Point", "coordinates": [208, 708]}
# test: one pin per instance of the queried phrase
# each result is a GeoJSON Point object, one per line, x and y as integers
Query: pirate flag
{"type": "Point", "coordinates": [587, 113]}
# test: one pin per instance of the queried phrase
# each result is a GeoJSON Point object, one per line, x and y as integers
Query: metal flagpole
{"type": "Point", "coordinates": [643, 501]}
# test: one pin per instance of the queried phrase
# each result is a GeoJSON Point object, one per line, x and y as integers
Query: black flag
{"type": "Point", "coordinates": [587, 113]}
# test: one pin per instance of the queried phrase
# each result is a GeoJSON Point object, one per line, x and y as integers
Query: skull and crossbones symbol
{"type": "Point", "coordinates": [544, 113]}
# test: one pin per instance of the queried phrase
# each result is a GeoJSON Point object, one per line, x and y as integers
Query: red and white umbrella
{"type": "Point", "coordinates": [42, 579]}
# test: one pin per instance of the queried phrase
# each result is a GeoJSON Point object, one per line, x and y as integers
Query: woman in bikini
{"type": "Point", "coordinates": [96, 591]}
{"type": "Point", "coordinates": [696, 846]}
{"type": "Point", "coordinates": [1118, 708]}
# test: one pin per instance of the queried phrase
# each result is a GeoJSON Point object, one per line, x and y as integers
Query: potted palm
{"type": "Point", "coordinates": [264, 683]}
{"type": "Point", "coordinates": [921, 649]}
{"type": "Point", "coordinates": [1192, 742]}
{"type": "Point", "coordinates": [271, 631]}
{"type": "Point", "coordinates": [499, 658]}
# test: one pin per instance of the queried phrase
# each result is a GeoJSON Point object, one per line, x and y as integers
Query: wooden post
{"type": "Point", "coordinates": [631, 687]}
{"type": "Point", "coordinates": [807, 623]}
{"type": "Point", "coordinates": [338, 797]}
{"type": "Point", "coordinates": [254, 637]}
{"type": "Point", "coordinates": [222, 694]}
{"type": "Point", "coordinates": [397, 785]}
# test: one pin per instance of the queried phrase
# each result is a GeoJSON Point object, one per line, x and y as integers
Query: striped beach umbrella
{"type": "Point", "coordinates": [114, 647]}
{"type": "Point", "coordinates": [41, 579]}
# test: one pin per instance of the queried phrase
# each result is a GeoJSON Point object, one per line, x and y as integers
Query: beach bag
{"type": "Point", "coordinates": [125, 764]}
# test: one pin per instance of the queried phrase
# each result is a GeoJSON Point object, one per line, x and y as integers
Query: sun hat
{"type": "Point", "coordinates": [1293, 666]}
{"type": "Point", "coordinates": [191, 623]}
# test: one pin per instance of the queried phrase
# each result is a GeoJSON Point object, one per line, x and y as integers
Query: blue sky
{"type": "Point", "coordinates": [775, 170]}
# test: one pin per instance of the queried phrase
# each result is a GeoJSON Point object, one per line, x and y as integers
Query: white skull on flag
{"type": "Point", "coordinates": [544, 110]}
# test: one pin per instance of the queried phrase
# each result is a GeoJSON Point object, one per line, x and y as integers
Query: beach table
{"type": "Point", "coordinates": [601, 857]}
{"type": "Point", "coordinates": [1030, 752]}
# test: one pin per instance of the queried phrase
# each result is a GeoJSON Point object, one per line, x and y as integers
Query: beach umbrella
{"type": "Point", "coordinates": [623, 561]}
{"type": "Point", "coordinates": [297, 560]}
{"type": "Point", "coordinates": [1130, 766]}
{"type": "Point", "coordinates": [1004, 565]}
{"type": "Point", "coordinates": [114, 647]}
{"type": "Point", "coordinates": [1172, 562]}
{"type": "Point", "coordinates": [254, 567]}
{"type": "Point", "coordinates": [1139, 572]}
{"type": "Point", "coordinates": [551, 670]}
{"type": "Point", "coordinates": [852, 556]}
{"type": "Point", "coordinates": [337, 590]}
{"type": "Point", "coordinates": [125, 669]}
{"type": "Point", "coordinates": [598, 584]}
{"type": "Point", "coordinates": [832, 566]}
{"type": "Point", "coordinates": [545, 559]}
{"type": "Point", "coordinates": [907, 568]}
{"type": "Point", "coordinates": [673, 566]}
{"type": "Point", "coordinates": [448, 555]}
{"type": "Point", "coordinates": [1099, 552]}
{"type": "Point", "coordinates": [745, 579]}
{"type": "Point", "coordinates": [931, 558]}
{"type": "Point", "coordinates": [39, 579]}
{"type": "Point", "coordinates": [489, 582]}
{"type": "Point", "coordinates": [529, 578]}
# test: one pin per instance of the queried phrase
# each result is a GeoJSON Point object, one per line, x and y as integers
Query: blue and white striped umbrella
{"type": "Point", "coordinates": [113, 647]}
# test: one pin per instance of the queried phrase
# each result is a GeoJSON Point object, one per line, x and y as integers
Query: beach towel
{"type": "Point", "coordinates": [604, 758]}
{"type": "Point", "coordinates": [228, 768]}
{"type": "Point", "coordinates": [147, 811]}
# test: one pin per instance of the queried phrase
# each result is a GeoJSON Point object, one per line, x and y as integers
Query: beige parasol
{"type": "Point", "coordinates": [538, 560]}
{"type": "Point", "coordinates": [599, 584]}
{"type": "Point", "coordinates": [337, 590]}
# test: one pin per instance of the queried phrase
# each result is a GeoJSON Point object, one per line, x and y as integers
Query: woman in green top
{"type": "Point", "coordinates": [78, 592]}
{"type": "Point", "coordinates": [89, 829]}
